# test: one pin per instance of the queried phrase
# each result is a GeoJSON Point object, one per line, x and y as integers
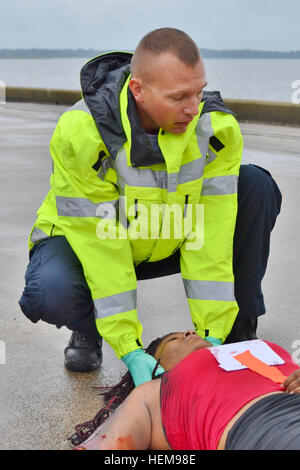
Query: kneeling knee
{"type": "Point", "coordinates": [63, 297]}
{"type": "Point", "coordinates": [52, 297]}
{"type": "Point", "coordinates": [31, 303]}
{"type": "Point", "coordinates": [256, 183]}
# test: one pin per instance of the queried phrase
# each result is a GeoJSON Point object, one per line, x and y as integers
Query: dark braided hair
{"type": "Point", "coordinates": [113, 397]}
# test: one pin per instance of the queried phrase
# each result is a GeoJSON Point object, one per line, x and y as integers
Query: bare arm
{"type": "Point", "coordinates": [292, 383]}
{"type": "Point", "coordinates": [129, 427]}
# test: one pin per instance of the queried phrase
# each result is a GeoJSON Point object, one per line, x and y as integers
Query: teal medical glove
{"type": "Point", "coordinates": [141, 365]}
{"type": "Point", "coordinates": [213, 341]}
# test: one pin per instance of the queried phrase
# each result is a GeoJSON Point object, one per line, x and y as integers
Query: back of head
{"type": "Point", "coordinates": [165, 40]}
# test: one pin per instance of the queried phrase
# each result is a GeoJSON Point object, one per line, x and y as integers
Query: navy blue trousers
{"type": "Point", "coordinates": [57, 293]}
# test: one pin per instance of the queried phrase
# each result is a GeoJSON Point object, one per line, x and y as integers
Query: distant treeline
{"type": "Point", "coordinates": [47, 53]}
{"type": "Point", "coordinates": [90, 53]}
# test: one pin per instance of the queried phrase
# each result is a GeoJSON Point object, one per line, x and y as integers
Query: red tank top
{"type": "Point", "coordinates": [198, 398]}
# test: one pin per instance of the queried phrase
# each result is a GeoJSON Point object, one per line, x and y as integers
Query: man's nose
{"type": "Point", "coordinates": [192, 108]}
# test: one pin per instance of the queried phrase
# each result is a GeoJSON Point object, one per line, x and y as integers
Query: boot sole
{"type": "Point", "coordinates": [77, 366]}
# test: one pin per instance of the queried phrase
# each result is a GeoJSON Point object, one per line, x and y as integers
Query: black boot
{"type": "Point", "coordinates": [83, 353]}
{"type": "Point", "coordinates": [244, 329]}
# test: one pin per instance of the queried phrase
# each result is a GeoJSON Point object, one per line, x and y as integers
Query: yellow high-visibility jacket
{"type": "Point", "coordinates": [118, 202]}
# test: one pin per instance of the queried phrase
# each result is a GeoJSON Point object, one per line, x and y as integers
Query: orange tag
{"type": "Point", "coordinates": [271, 372]}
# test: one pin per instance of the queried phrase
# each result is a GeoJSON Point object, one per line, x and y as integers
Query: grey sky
{"type": "Point", "coordinates": [119, 24]}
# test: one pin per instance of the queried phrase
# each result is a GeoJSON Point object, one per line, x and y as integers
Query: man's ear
{"type": "Point", "coordinates": [137, 90]}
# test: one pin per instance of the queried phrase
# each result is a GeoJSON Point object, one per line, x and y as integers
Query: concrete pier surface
{"type": "Point", "coordinates": [40, 402]}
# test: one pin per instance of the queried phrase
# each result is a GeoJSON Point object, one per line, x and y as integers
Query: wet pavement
{"type": "Point", "coordinates": [40, 402]}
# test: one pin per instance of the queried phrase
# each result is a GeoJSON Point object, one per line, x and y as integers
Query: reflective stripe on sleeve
{"type": "Point", "coordinates": [83, 207]}
{"type": "Point", "coordinates": [220, 185]}
{"type": "Point", "coordinates": [118, 303]}
{"type": "Point", "coordinates": [80, 106]}
{"type": "Point", "coordinates": [38, 235]}
{"type": "Point", "coordinates": [209, 290]}
{"type": "Point", "coordinates": [204, 132]}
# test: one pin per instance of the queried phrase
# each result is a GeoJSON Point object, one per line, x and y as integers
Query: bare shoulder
{"type": "Point", "coordinates": [149, 390]}
{"type": "Point", "coordinates": [146, 395]}
{"type": "Point", "coordinates": [151, 395]}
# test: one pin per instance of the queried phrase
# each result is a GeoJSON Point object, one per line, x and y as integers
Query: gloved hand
{"type": "Point", "coordinates": [213, 341]}
{"type": "Point", "coordinates": [141, 365]}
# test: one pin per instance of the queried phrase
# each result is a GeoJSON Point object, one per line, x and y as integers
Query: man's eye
{"type": "Point", "coordinates": [178, 98]}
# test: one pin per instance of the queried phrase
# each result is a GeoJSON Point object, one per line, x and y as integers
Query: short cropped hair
{"type": "Point", "coordinates": [164, 40]}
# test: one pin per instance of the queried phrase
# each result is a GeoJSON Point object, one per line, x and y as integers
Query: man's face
{"type": "Point", "coordinates": [170, 94]}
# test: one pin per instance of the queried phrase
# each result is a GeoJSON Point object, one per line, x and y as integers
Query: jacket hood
{"type": "Point", "coordinates": [102, 80]}
{"type": "Point", "coordinates": [213, 102]}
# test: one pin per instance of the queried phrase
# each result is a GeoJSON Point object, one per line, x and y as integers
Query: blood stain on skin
{"type": "Point", "coordinates": [125, 443]}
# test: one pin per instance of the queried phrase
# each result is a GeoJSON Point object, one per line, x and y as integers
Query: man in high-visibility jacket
{"type": "Point", "coordinates": [147, 181]}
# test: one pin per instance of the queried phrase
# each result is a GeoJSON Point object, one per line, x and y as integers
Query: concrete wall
{"type": "Point", "coordinates": [42, 95]}
{"type": "Point", "coordinates": [245, 110]}
{"type": "Point", "coordinates": [265, 111]}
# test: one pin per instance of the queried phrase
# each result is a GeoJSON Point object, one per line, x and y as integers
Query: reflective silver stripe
{"type": "Point", "coordinates": [105, 165]}
{"type": "Point", "coordinates": [204, 132]}
{"type": "Point", "coordinates": [209, 290]}
{"type": "Point", "coordinates": [82, 207]}
{"type": "Point", "coordinates": [160, 179]}
{"type": "Point", "coordinates": [220, 185]}
{"type": "Point", "coordinates": [146, 177]}
{"type": "Point", "coordinates": [79, 106]}
{"type": "Point", "coordinates": [38, 235]}
{"type": "Point", "coordinates": [119, 303]}
{"type": "Point", "coordinates": [191, 171]}
{"type": "Point", "coordinates": [141, 177]}
{"type": "Point", "coordinates": [172, 182]}
{"type": "Point", "coordinates": [211, 156]}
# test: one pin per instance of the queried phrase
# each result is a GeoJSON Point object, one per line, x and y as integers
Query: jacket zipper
{"type": "Point", "coordinates": [185, 205]}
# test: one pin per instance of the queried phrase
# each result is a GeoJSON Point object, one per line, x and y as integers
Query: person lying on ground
{"type": "Point", "coordinates": [197, 405]}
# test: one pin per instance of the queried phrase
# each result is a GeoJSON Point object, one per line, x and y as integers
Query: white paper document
{"type": "Point", "coordinates": [224, 354]}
